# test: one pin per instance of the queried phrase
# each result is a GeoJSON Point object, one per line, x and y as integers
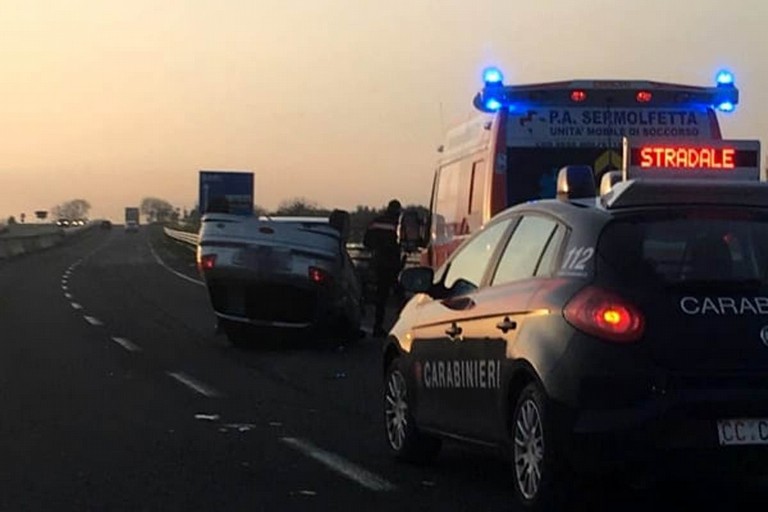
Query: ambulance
{"type": "Point", "coordinates": [511, 152]}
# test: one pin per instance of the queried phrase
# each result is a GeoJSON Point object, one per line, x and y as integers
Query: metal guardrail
{"type": "Point", "coordinates": [182, 236]}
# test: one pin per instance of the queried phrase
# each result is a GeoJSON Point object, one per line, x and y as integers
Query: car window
{"type": "Point", "coordinates": [689, 246]}
{"type": "Point", "coordinates": [466, 269]}
{"type": "Point", "coordinates": [551, 251]}
{"type": "Point", "coordinates": [525, 248]}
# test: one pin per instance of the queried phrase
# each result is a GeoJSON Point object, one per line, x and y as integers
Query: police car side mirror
{"type": "Point", "coordinates": [417, 279]}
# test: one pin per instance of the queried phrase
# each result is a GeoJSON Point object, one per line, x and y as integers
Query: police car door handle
{"type": "Point", "coordinates": [506, 325]}
{"type": "Point", "coordinates": [454, 330]}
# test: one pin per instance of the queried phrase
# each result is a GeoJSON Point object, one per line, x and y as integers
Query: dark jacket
{"type": "Point", "coordinates": [381, 239]}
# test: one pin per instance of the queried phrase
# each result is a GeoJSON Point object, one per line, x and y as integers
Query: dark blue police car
{"type": "Point", "coordinates": [620, 328]}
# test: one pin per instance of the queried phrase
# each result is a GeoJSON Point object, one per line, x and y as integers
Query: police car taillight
{"type": "Point", "coordinates": [606, 315]}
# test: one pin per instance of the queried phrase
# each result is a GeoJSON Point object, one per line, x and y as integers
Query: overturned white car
{"type": "Point", "coordinates": [280, 273]}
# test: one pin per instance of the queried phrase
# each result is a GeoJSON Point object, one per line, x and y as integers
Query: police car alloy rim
{"type": "Point", "coordinates": [396, 410]}
{"type": "Point", "coordinates": [529, 449]}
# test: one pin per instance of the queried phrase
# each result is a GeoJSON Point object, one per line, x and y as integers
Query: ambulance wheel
{"type": "Point", "coordinates": [404, 439]}
{"type": "Point", "coordinates": [538, 473]}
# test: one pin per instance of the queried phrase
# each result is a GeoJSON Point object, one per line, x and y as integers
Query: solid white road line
{"type": "Point", "coordinates": [127, 344]}
{"type": "Point", "coordinates": [92, 320]}
{"type": "Point", "coordinates": [76, 305]}
{"type": "Point", "coordinates": [195, 385]}
{"type": "Point", "coordinates": [169, 269]}
{"type": "Point", "coordinates": [340, 465]}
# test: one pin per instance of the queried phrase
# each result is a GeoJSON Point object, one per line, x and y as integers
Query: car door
{"type": "Point", "coordinates": [437, 335]}
{"type": "Point", "coordinates": [499, 312]}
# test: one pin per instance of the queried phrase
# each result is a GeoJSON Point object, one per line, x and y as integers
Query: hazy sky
{"type": "Point", "coordinates": [339, 101]}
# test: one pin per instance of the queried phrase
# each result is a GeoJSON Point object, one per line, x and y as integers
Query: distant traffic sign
{"type": "Point", "coordinates": [226, 192]}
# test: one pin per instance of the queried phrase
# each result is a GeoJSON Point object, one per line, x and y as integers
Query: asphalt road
{"type": "Point", "coordinates": [116, 394]}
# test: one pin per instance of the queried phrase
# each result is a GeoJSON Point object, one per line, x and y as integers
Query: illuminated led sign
{"type": "Point", "coordinates": [687, 158]}
{"type": "Point", "coordinates": [718, 159]}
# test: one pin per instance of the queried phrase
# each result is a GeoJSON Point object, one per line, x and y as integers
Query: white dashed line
{"type": "Point", "coordinates": [195, 385]}
{"type": "Point", "coordinates": [64, 287]}
{"type": "Point", "coordinates": [67, 295]}
{"type": "Point", "coordinates": [340, 465]}
{"type": "Point", "coordinates": [76, 305]}
{"type": "Point", "coordinates": [93, 321]}
{"type": "Point", "coordinates": [169, 269]}
{"type": "Point", "coordinates": [127, 344]}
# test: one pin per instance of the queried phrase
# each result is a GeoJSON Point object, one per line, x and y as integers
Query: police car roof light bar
{"type": "Point", "coordinates": [575, 182]}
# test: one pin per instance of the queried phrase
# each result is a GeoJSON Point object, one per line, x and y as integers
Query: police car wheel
{"type": "Point", "coordinates": [537, 476]}
{"type": "Point", "coordinates": [403, 437]}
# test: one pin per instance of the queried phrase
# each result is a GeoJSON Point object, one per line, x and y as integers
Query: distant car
{"type": "Point", "coordinates": [626, 331]}
{"type": "Point", "coordinates": [289, 274]}
{"type": "Point", "coordinates": [105, 224]}
{"type": "Point", "coordinates": [64, 223]}
{"type": "Point", "coordinates": [131, 226]}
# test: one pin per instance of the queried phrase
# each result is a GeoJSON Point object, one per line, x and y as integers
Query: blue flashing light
{"type": "Point", "coordinates": [724, 78]}
{"type": "Point", "coordinates": [726, 106]}
{"type": "Point", "coordinates": [492, 104]}
{"type": "Point", "coordinates": [492, 76]}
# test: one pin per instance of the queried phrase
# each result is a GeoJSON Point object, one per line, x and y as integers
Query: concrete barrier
{"type": "Point", "coordinates": [18, 239]}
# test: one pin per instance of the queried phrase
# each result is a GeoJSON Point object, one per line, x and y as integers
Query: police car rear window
{"type": "Point", "coordinates": [691, 246]}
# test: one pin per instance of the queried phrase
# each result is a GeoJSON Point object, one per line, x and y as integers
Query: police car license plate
{"type": "Point", "coordinates": [742, 431]}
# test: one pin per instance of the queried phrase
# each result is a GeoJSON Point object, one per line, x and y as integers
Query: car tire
{"type": "Point", "coordinates": [538, 469]}
{"type": "Point", "coordinates": [404, 439]}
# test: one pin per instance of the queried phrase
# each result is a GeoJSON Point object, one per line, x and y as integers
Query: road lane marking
{"type": "Point", "coordinates": [127, 344]}
{"type": "Point", "coordinates": [67, 295]}
{"type": "Point", "coordinates": [76, 305]}
{"type": "Point", "coordinates": [195, 385]}
{"type": "Point", "coordinates": [340, 465]}
{"type": "Point", "coordinates": [92, 320]}
{"type": "Point", "coordinates": [64, 287]}
{"type": "Point", "coordinates": [169, 269]}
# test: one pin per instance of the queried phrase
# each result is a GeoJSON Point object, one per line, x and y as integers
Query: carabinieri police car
{"type": "Point", "coordinates": [620, 327]}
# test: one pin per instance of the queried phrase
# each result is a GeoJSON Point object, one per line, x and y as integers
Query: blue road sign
{"type": "Point", "coordinates": [226, 192]}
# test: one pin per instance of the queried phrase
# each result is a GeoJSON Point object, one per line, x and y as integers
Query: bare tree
{"type": "Point", "coordinates": [74, 209]}
{"type": "Point", "coordinates": [156, 209]}
{"type": "Point", "coordinates": [300, 207]}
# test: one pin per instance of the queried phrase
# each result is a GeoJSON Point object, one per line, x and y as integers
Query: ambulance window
{"type": "Point", "coordinates": [466, 269]}
{"type": "Point", "coordinates": [448, 196]}
{"type": "Point", "coordinates": [477, 187]}
{"type": "Point", "coordinates": [525, 248]}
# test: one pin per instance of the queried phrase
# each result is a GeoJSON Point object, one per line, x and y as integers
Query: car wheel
{"type": "Point", "coordinates": [404, 439]}
{"type": "Point", "coordinates": [537, 467]}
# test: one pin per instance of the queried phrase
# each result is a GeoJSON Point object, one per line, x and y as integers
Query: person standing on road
{"type": "Point", "coordinates": [382, 240]}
